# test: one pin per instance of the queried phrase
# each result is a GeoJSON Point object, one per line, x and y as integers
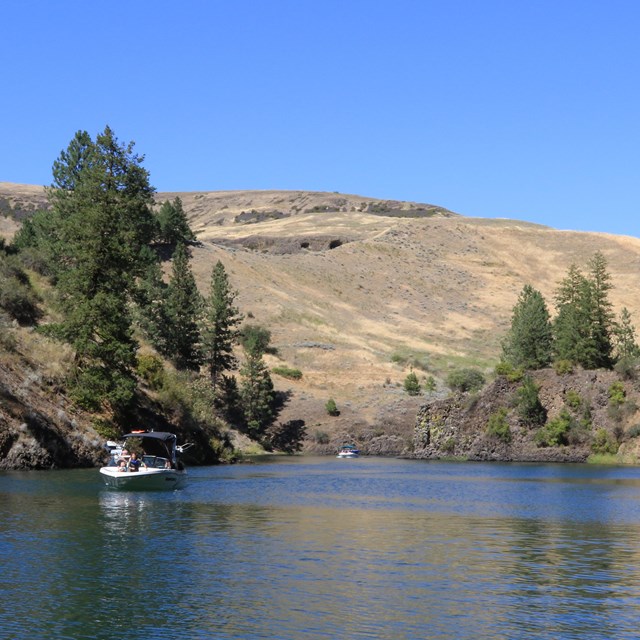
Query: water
{"type": "Point", "coordinates": [323, 548]}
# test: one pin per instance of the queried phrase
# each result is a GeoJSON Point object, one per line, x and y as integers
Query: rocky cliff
{"type": "Point", "coordinates": [598, 411]}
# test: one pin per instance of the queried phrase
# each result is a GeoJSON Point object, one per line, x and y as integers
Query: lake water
{"type": "Point", "coordinates": [325, 548]}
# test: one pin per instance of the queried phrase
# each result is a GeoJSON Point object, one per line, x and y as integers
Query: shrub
{"type": "Point", "coordinates": [331, 407]}
{"type": "Point", "coordinates": [604, 442]}
{"type": "Point", "coordinates": [19, 301]}
{"type": "Point", "coordinates": [627, 367]}
{"type": "Point", "coordinates": [617, 394]}
{"type": "Point", "coordinates": [411, 384]}
{"type": "Point", "coordinates": [562, 367]}
{"type": "Point", "coordinates": [430, 384]}
{"type": "Point", "coordinates": [151, 369]}
{"type": "Point", "coordinates": [255, 337]}
{"type": "Point", "coordinates": [287, 372]}
{"type": "Point", "coordinates": [528, 403]}
{"type": "Point", "coordinates": [556, 431]}
{"type": "Point", "coordinates": [465, 380]}
{"type": "Point", "coordinates": [511, 373]}
{"type": "Point", "coordinates": [321, 437]}
{"type": "Point", "coordinates": [498, 425]}
{"type": "Point", "coordinates": [634, 431]}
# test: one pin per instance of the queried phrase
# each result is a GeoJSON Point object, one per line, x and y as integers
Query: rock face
{"type": "Point", "coordinates": [457, 426]}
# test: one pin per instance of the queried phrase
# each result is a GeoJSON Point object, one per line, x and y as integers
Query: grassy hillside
{"type": "Point", "coordinates": [357, 291]}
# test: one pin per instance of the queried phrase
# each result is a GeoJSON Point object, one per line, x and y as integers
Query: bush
{"type": "Point", "coordinates": [604, 442]}
{"type": "Point", "coordinates": [498, 425]}
{"type": "Point", "coordinates": [511, 373]}
{"type": "Point", "coordinates": [19, 301]}
{"type": "Point", "coordinates": [556, 431]}
{"type": "Point", "coordinates": [627, 368]}
{"type": "Point", "coordinates": [430, 384]}
{"type": "Point", "coordinates": [634, 431]}
{"type": "Point", "coordinates": [287, 372]}
{"type": "Point", "coordinates": [151, 369]}
{"type": "Point", "coordinates": [528, 403]}
{"type": "Point", "coordinates": [331, 407]}
{"type": "Point", "coordinates": [573, 399]}
{"type": "Point", "coordinates": [411, 384]}
{"type": "Point", "coordinates": [465, 380]}
{"type": "Point", "coordinates": [617, 394]}
{"type": "Point", "coordinates": [255, 337]}
{"type": "Point", "coordinates": [561, 367]}
{"type": "Point", "coordinates": [321, 437]}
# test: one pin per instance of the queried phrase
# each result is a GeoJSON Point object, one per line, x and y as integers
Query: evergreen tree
{"type": "Point", "coordinates": [624, 333]}
{"type": "Point", "coordinates": [529, 341]}
{"type": "Point", "coordinates": [100, 227]}
{"type": "Point", "coordinates": [220, 327]}
{"type": "Point", "coordinates": [584, 323]}
{"type": "Point", "coordinates": [173, 225]}
{"type": "Point", "coordinates": [152, 309]}
{"type": "Point", "coordinates": [571, 328]}
{"type": "Point", "coordinates": [602, 317]}
{"type": "Point", "coordinates": [411, 384]}
{"type": "Point", "coordinates": [183, 312]}
{"type": "Point", "coordinates": [256, 392]}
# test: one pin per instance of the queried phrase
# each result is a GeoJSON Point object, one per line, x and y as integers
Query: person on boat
{"type": "Point", "coordinates": [134, 464]}
{"type": "Point", "coordinates": [122, 465]}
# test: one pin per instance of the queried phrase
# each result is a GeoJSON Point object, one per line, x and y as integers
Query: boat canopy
{"type": "Point", "coordinates": [158, 443]}
{"type": "Point", "coordinates": [159, 435]}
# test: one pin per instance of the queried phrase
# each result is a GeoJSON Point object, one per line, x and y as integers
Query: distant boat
{"type": "Point", "coordinates": [159, 466]}
{"type": "Point", "coordinates": [348, 451]}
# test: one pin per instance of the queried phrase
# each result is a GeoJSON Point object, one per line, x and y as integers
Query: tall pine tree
{"type": "Point", "coordinates": [183, 312]}
{"type": "Point", "coordinates": [220, 329]}
{"type": "Point", "coordinates": [256, 393]}
{"type": "Point", "coordinates": [173, 224]}
{"type": "Point", "coordinates": [529, 341]}
{"type": "Point", "coordinates": [102, 228]}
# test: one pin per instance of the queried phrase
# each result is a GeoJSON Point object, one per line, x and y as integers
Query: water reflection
{"type": "Point", "coordinates": [311, 549]}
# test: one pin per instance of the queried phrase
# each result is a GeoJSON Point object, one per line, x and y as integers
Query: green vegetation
{"type": "Point", "coordinates": [528, 405]}
{"type": "Point", "coordinates": [498, 426]}
{"type": "Point", "coordinates": [331, 407]}
{"type": "Point", "coordinates": [220, 326]}
{"type": "Point", "coordinates": [555, 432]}
{"type": "Point", "coordinates": [287, 372]}
{"type": "Point", "coordinates": [465, 380]}
{"type": "Point", "coordinates": [412, 385]}
{"type": "Point", "coordinates": [529, 341]}
{"type": "Point", "coordinates": [604, 443]}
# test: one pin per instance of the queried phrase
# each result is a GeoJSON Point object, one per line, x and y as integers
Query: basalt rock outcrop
{"type": "Point", "coordinates": [457, 426]}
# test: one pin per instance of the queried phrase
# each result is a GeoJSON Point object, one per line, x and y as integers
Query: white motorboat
{"type": "Point", "coordinates": [348, 451]}
{"type": "Point", "coordinates": [159, 466]}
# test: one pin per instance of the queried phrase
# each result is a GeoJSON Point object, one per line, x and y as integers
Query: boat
{"type": "Point", "coordinates": [160, 468]}
{"type": "Point", "coordinates": [348, 451]}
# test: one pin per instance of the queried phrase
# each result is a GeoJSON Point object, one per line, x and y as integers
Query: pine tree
{"type": "Point", "coordinates": [183, 312]}
{"type": "Point", "coordinates": [220, 327]}
{"type": "Point", "coordinates": [101, 227]}
{"type": "Point", "coordinates": [625, 337]}
{"type": "Point", "coordinates": [411, 384]}
{"type": "Point", "coordinates": [602, 317]}
{"type": "Point", "coordinates": [173, 225]}
{"type": "Point", "coordinates": [256, 392]}
{"type": "Point", "coordinates": [529, 341]}
{"type": "Point", "coordinates": [584, 323]}
{"type": "Point", "coordinates": [572, 325]}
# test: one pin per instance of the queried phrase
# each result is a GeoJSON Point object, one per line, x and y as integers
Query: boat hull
{"type": "Point", "coordinates": [147, 479]}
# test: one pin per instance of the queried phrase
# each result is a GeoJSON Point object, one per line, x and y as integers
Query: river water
{"type": "Point", "coordinates": [325, 548]}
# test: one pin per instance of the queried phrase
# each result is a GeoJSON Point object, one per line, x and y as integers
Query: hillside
{"type": "Point", "coordinates": [356, 291]}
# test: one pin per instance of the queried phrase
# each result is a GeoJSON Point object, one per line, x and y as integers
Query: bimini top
{"type": "Point", "coordinates": [164, 436]}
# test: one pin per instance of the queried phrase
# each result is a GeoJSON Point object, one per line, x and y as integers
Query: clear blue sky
{"type": "Point", "coordinates": [522, 109]}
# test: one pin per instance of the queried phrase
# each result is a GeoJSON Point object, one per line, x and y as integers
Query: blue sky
{"type": "Point", "coordinates": [522, 109]}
